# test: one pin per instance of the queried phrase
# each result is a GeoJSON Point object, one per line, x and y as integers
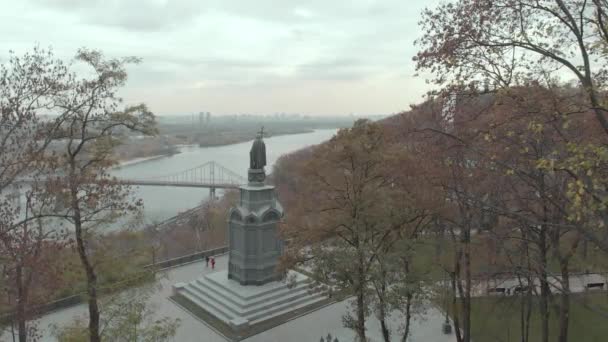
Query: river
{"type": "Point", "coordinates": [161, 203]}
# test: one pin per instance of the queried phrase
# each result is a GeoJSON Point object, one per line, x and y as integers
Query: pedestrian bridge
{"type": "Point", "coordinates": [209, 175]}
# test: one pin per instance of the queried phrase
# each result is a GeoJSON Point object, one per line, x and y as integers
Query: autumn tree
{"type": "Point", "coordinates": [444, 172]}
{"type": "Point", "coordinates": [398, 284]}
{"type": "Point", "coordinates": [498, 154]}
{"type": "Point", "coordinates": [531, 130]}
{"type": "Point", "coordinates": [28, 86]}
{"type": "Point", "coordinates": [458, 213]}
{"type": "Point", "coordinates": [126, 317]}
{"type": "Point", "coordinates": [556, 168]}
{"type": "Point", "coordinates": [502, 40]}
{"type": "Point", "coordinates": [24, 251]}
{"type": "Point", "coordinates": [528, 42]}
{"type": "Point", "coordinates": [350, 220]}
{"type": "Point", "coordinates": [92, 126]}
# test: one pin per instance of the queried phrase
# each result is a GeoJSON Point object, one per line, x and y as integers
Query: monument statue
{"type": "Point", "coordinates": [255, 246]}
{"type": "Point", "coordinates": [252, 290]}
{"type": "Point", "coordinates": [257, 154]}
{"type": "Point", "coordinates": [257, 160]}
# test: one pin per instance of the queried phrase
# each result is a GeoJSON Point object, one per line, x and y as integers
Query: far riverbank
{"type": "Point", "coordinates": [211, 140]}
{"type": "Point", "coordinates": [227, 139]}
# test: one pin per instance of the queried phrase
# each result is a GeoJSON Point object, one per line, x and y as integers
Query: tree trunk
{"type": "Point", "coordinates": [528, 312]}
{"type": "Point", "coordinates": [360, 324]}
{"type": "Point", "coordinates": [467, 294]}
{"type": "Point", "coordinates": [585, 251]}
{"type": "Point", "coordinates": [360, 317]}
{"type": "Point", "coordinates": [545, 291]}
{"type": "Point", "coordinates": [564, 310]}
{"type": "Point", "coordinates": [526, 299]}
{"type": "Point", "coordinates": [21, 302]}
{"type": "Point", "coordinates": [522, 312]}
{"type": "Point", "coordinates": [408, 306]}
{"type": "Point", "coordinates": [408, 317]}
{"type": "Point", "coordinates": [464, 293]}
{"type": "Point", "coordinates": [89, 271]}
{"type": "Point", "coordinates": [525, 308]}
{"type": "Point", "coordinates": [455, 310]}
{"type": "Point", "coordinates": [386, 334]}
{"type": "Point", "coordinates": [595, 104]}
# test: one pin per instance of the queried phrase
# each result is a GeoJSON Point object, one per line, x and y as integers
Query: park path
{"type": "Point", "coordinates": [308, 328]}
{"type": "Point", "coordinates": [578, 283]}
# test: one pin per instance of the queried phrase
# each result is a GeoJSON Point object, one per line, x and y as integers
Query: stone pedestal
{"type": "Point", "coordinates": [255, 246]}
{"type": "Point", "coordinates": [256, 177]}
{"type": "Point", "coordinates": [241, 306]}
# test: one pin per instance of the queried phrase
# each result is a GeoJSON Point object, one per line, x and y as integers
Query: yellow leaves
{"type": "Point", "coordinates": [580, 187]}
{"type": "Point", "coordinates": [535, 127]}
{"type": "Point", "coordinates": [510, 172]}
{"type": "Point", "coordinates": [545, 164]}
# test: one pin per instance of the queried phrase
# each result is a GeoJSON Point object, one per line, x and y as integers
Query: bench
{"type": "Point", "coordinates": [520, 289]}
{"type": "Point", "coordinates": [590, 286]}
{"type": "Point", "coordinates": [497, 290]}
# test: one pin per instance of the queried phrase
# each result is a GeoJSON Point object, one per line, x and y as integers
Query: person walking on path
{"type": "Point", "coordinates": [207, 260]}
{"type": "Point", "coordinates": [212, 263]}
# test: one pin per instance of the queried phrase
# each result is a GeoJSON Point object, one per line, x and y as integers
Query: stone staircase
{"type": "Point", "coordinates": [240, 306]}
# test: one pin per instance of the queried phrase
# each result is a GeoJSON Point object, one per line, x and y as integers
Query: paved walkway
{"type": "Point", "coordinates": [578, 283]}
{"type": "Point", "coordinates": [308, 328]}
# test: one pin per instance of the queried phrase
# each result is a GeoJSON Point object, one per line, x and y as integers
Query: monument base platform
{"type": "Point", "coordinates": [240, 307]}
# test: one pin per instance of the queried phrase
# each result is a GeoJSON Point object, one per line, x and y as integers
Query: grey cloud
{"type": "Point", "coordinates": [208, 62]}
{"type": "Point", "coordinates": [230, 44]}
{"type": "Point", "coordinates": [130, 15]}
{"type": "Point", "coordinates": [181, 72]}
{"type": "Point", "coordinates": [288, 10]}
{"type": "Point", "coordinates": [343, 71]}
{"type": "Point", "coordinates": [68, 5]}
{"type": "Point", "coordinates": [157, 15]}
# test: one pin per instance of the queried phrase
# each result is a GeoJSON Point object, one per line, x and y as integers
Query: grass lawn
{"type": "Point", "coordinates": [498, 319]}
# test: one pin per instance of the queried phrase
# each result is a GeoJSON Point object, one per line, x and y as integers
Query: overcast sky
{"type": "Point", "coordinates": [314, 57]}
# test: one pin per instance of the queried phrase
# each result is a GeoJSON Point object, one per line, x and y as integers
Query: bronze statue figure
{"type": "Point", "coordinates": [257, 154]}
